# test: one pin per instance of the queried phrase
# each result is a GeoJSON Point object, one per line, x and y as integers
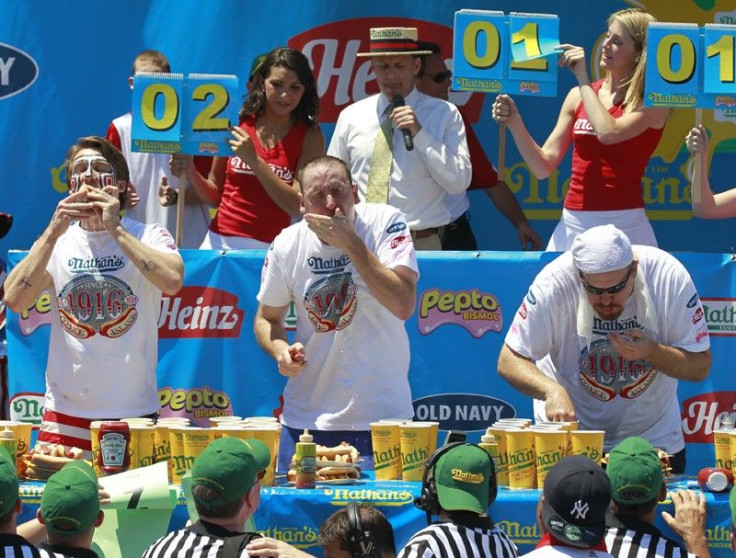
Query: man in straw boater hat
{"type": "Point", "coordinates": [603, 336]}
{"type": "Point", "coordinates": [403, 147]}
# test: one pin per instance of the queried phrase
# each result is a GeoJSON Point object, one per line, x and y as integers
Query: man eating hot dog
{"type": "Point", "coordinates": [603, 336]}
{"type": "Point", "coordinates": [351, 271]}
{"type": "Point", "coordinates": [106, 275]}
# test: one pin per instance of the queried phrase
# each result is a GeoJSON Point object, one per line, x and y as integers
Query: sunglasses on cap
{"type": "Point", "coordinates": [609, 290]}
{"type": "Point", "coordinates": [440, 77]}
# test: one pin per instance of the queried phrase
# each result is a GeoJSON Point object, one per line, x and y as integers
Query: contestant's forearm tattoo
{"type": "Point", "coordinates": [147, 265]}
{"type": "Point", "coordinates": [26, 283]}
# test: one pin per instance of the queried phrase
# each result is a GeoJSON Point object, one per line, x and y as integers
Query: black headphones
{"type": "Point", "coordinates": [428, 501]}
{"type": "Point", "coordinates": [362, 543]}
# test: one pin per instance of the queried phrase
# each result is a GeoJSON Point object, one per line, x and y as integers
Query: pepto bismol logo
{"type": "Point", "coordinates": [462, 411]}
{"type": "Point", "coordinates": [476, 311]}
{"type": "Point", "coordinates": [720, 315]}
{"type": "Point", "coordinates": [196, 404]}
{"type": "Point", "coordinates": [18, 71]}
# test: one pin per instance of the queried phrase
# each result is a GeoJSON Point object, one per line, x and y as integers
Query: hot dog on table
{"type": "Point", "coordinates": [338, 462]}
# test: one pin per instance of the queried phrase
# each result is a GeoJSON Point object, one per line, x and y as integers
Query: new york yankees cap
{"type": "Point", "coordinates": [577, 493]}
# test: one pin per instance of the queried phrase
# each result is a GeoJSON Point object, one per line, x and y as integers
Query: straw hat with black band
{"type": "Point", "coordinates": [394, 41]}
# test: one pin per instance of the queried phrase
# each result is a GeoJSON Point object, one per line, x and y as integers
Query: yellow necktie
{"type": "Point", "coordinates": [380, 171]}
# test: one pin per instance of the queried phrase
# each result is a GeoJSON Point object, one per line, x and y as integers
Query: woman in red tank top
{"type": "Point", "coordinates": [256, 189]}
{"type": "Point", "coordinates": [613, 135]}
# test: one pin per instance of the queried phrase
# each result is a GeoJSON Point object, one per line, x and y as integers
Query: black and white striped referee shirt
{"type": "Point", "coordinates": [627, 537]}
{"type": "Point", "coordinates": [15, 546]}
{"type": "Point", "coordinates": [474, 537]}
{"type": "Point", "coordinates": [202, 540]}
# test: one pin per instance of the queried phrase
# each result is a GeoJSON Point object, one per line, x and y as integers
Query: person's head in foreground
{"type": "Point", "coordinates": [357, 530]}
{"type": "Point", "coordinates": [70, 506]}
{"type": "Point", "coordinates": [637, 478]}
{"type": "Point", "coordinates": [226, 479]}
{"type": "Point", "coordinates": [10, 503]}
{"type": "Point", "coordinates": [574, 502]}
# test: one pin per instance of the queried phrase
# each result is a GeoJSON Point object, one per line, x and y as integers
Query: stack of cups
{"type": "Point", "coordinates": [216, 421]}
{"type": "Point", "coordinates": [550, 446]}
{"type": "Point", "coordinates": [520, 451]}
{"type": "Point", "coordinates": [162, 451]}
{"type": "Point", "coordinates": [722, 440]}
{"type": "Point", "coordinates": [522, 474]}
{"type": "Point", "coordinates": [588, 443]}
{"type": "Point", "coordinates": [22, 433]}
{"type": "Point", "coordinates": [402, 447]}
{"type": "Point", "coordinates": [178, 461]}
{"type": "Point", "coordinates": [142, 447]}
{"type": "Point", "coordinates": [267, 430]}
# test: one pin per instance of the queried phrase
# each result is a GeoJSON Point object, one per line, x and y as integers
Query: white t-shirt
{"type": "Point", "coordinates": [439, 163]}
{"type": "Point", "coordinates": [357, 351]}
{"type": "Point", "coordinates": [146, 170]}
{"type": "Point", "coordinates": [103, 349]}
{"type": "Point", "coordinates": [621, 397]}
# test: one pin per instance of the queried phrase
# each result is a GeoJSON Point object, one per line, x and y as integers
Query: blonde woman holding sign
{"type": "Point", "coordinates": [613, 135]}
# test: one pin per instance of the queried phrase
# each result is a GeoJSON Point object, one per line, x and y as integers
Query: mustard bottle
{"type": "Point", "coordinates": [306, 461]}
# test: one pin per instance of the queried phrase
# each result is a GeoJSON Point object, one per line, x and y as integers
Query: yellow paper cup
{"type": "Point", "coordinates": [22, 432]}
{"type": "Point", "coordinates": [215, 421]}
{"type": "Point", "coordinates": [263, 418]}
{"type": "Point", "coordinates": [269, 434]}
{"type": "Point", "coordinates": [142, 447]}
{"type": "Point", "coordinates": [94, 435]}
{"type": "Point", "coordinates": [162, 443]}
{"type": "Point", "coordinates": [733, 451]}
{"type": "Point", "coordinates": [520, 450]}
{"type": "Point", "coordinates": [550, 446]}
{"type": "Point", "coordinates": [178, 462]}
{"type": "Point", "coordinates": [196, 439]}
{"type": "Point", "coordinates": [588, 442]}
{"type": "Point", "coordinates": [524, 422]}
{"type": "Point", "coordinates": [138, 420]}
{"type": "Point", "coordinates": [386, 445]}
{"type": "Point", "coordinates": [502, 471]}
{"type": "Point", "coordinates": [435, 429]}
{"type": "Point", "coordinates": [722, 443]}
{"type": "Point", "coordinates": [417, 445]}
{"type": "Point", "coordinates": [173, 420]}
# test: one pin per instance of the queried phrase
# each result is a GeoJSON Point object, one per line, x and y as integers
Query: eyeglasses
{"type": "Point", "coordinates": [609, 290]}
{"type": "Point", "coordinates": [440, 77]}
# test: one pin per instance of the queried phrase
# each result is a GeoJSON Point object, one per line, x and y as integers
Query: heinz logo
{"type": "Point", "coordinates": [342, 78]}
{"type": "Point", "coordinates": [702, 414]}
{"type": "Point", "coordinates": [462, 411]}
{"type": "Point", "coordinates": [18, 71]}
{"type": "Point", "coordinates": [720, 315]}
{"type": "Point", "coordinates": [200, 312]}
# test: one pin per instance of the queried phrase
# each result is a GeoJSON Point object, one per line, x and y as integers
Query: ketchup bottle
{"type": "Point", "coordinates": [114, 456]}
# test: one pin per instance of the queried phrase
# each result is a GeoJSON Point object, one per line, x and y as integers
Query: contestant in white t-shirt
{"type": "Point", "coordinates": [603, 336]}
{"type": "Point", "coordinates": [106, 275]}
{"type": "Point", "coordinates": [351, 271]}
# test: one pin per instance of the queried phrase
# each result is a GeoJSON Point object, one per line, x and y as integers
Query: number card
{"type": "Point", "coordinates": [690, 67]}
{"type": "Point", "coordinates": [173, 113]}
{"type": "Point", "coordinates": [494, 52]}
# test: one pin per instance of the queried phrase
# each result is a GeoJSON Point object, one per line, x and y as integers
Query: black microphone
{"type": "Point", "coordinates": [408, 142]}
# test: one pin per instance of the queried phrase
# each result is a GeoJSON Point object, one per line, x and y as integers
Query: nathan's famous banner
{"type": "Point", "coordinates": [210, 364]}
{"type": "Point", "coordinates": [57, 85]}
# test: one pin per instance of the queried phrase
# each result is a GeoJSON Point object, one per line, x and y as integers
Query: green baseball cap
{"type": "Point", "coordinates": [635, 471]}
{"type": "Point", "coordinates": [70, 502]}
{"type": "Point", "coordinates": [230, 466]}
{"type": "Point", "coordinates": [462, 477]}
{"type": "Point", "coordinates": [8, 482]}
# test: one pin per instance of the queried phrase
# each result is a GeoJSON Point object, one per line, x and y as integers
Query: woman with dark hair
{"type": "Point", "coordinates": [256, 188]}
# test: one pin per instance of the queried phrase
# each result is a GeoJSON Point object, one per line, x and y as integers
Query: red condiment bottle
{"type": "Point", "coordinates": [114, 443]}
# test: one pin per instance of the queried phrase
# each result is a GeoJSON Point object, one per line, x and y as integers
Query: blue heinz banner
{"type": "Point", "coordinates": [57, 84]}
{"type": "Point", "coordinates": [210, 364]}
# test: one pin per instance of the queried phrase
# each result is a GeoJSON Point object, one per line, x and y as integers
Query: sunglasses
{"type": "Point", "coordinates": [440, 77]}
{"type": "Point", "coordinates": [609, 290]}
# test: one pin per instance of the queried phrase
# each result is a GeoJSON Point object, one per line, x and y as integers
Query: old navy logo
{"type": "Point", "coordinates": [396, 227]}
{"type": "Point", "coordinates": [323, 266]}
{"type": "Point", "coordinates": [102, 265]}
{"type": "Point", "coordinates": [18, 71]}
{"type": "Point", "coordinates": [693, 301]}
{"type": "Point", "coordinates": [580, 509]}
{"type": "Point", "coordinates": [602, 327]}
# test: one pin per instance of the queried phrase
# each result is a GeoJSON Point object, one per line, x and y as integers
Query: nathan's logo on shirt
{"type": "Point", "coordinates": [602, 327]}
{"type": "Point", "coordinates": [343, 78]}
{"type": "Point", "coordinates": [331, 302]}
{"type": "Point", "coordinates": [197, 311]}
{"type": "Point", "coordinates": [18, 71]}
{"type": "Point", "coordinates": [330, 265]}
{"type": "Point", "coordinates": [698, 315]}
{"type": "Point", "coordinates": [91, 304]}
{"type": "Point", "coordinates": [720, 315]}
{"type": "Point", "coordinates": [583, 126]}
{"type": "Point", "coordinates": [703, 413]}
{"type": "Point", "coordinates": [241, 167]}
{"type": "Point", "coordinates": [605, 374]}
{"type": "Point", "coordinates": [399, 240]}
{"type": "Point", "coordinates": [99, 265]}
{"type": "Point", "coordinates": [396, 227]}
{"type": "Point", "coordinates": [476, 311]}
